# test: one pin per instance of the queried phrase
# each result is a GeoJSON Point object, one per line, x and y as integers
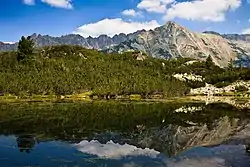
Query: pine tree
{"type": "Point", "coordinates": [209, 62]}
{"type": "Point", "coordinates": [230, 65]}
{"type": "Point", "coordinates": [25, 47]}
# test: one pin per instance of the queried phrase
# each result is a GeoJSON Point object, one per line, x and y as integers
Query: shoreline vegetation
{"type": "Point", "coordinates": [232, 99]}
{"type": "Point", "coordinates": [76, 73]}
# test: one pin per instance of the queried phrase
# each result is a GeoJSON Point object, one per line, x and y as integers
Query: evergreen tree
{"type": "Point", "coordinates": [209, 62]}
{"type": "Point", "coordinates": [230, 65]}
{"type": "Point", "coordinates": [25, 47]}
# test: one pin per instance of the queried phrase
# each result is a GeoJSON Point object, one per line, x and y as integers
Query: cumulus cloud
{"type": "Point", "coordinates": [131, 12]}
{"type": "Point", "coordinates": [111, 27]}
{"type": "Point", "coordinates": [203, 10]}
{"type": "Point", "coordinates": [29, 2]}
{"type": "Point", "coordinates": [154, 6]}
{"type": "Point", "coordinates": [246, 31]}
{"type": "Point", "coordinates": [112, 150]}
{"type": "Point", "coordinates": [67, 4]}
{"type": "Point", "coordinates": [59, 3]}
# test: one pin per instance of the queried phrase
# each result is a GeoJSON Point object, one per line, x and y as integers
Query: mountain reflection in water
{"type": "Point", "coordinates": [124, 134]}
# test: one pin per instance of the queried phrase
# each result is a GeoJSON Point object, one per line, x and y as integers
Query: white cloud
{"type": "Point", "coordinates": [29, 2]}
{"type": "Point", "coordinates": [246, 31]}
{"type": "Point", "coordinates": [59, 3]}
{"type": "Point", "coordinates": [67, 4]}
{"type": "Point", "coordinates": [10, 43]}
{"type": "Point", "coordinates": [154, 6]}
{"type": "Point", "coordinates": [112, 150]}
{"type": "Point", "coordinates": [131, 12]}
{"type": "Point", "coordinates": [111, 27]}
{"type": "Point", "coordinates": [203, 10]}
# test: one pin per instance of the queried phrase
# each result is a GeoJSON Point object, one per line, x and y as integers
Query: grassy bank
{"type": "Point", "coordinates": [85, 98]}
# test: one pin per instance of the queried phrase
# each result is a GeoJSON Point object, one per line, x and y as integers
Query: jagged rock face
{"type": "Point", "coordinates": [7, 47]}
{"type": "Point", "coordinates": [241, 41]}
{"type": "Point", "coordinates": [100, 43]}
{"type": "Point", "coordinates": [173, 41]}
{"type": "Point", "coordinates": [237, 37]}
{"type": "Point", "coordinates": [241, 45]}
{"type": "Point", "coordinates": [168, 41]}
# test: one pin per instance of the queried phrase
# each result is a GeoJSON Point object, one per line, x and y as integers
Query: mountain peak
{"type": "Point", "coordinates": [173, 24]}
{"type": "Point", "coordinates": [170, 25]}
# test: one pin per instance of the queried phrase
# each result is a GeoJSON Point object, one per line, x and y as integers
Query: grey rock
{"type": "Point", "coordinates": [100, 43]}
{"type": "Point", "coordinates": [174, 41]}
{"type": "Point", "coordinates": [168, 41]}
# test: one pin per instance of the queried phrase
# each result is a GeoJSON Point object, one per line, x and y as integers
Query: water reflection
{"type": "Point", "coordinates": [113, 150]}
{"type": "Point", "coordinates": [125, 134]}
{"type": "Point", "coordinates": [25, 143]}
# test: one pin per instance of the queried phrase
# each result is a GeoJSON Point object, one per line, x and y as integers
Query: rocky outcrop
{"type": "Point", "coordinates": [212, 90]}
{"type": "Point", "coordinates": [188, 77]}
{"type": "Point", "coordinates": [237, 37]}
{"type": "Point", "coordinates": [241, 44]}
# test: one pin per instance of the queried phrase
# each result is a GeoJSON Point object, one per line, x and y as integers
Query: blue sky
{"type": "Point", "coordinates": [95, 17]}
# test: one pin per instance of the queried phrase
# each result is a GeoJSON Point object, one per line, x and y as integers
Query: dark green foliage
{"type": "Point", "coordinates": [25, 47]}
{"type": "Point", "coordinates": [209, 62]}
{"type": "Point", "coordinates": [195, 84]}
{"type": "Point", "coordinates": [65, 70]}
{"type": "Point", "coordinates": [222, 84]}
{"type": "Point", "coordinates": [230, 65]}
{"type": "Point", "coordinates": [227, 77]}
{"type": "Point", "coordinates": [241, 88]}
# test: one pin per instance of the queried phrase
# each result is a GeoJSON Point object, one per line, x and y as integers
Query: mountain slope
{"type": "Point", "coordinates": [168, 41]}
{"type": "Point", "coordinates": [241, 41]}
{"type": "Point", "coordinates": [7, 46]}
{"type": "Point", "coordinates": [173, 41]}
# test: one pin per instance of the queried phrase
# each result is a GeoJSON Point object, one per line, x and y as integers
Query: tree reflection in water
{"type": "Point", "coordinates": [25, 143]}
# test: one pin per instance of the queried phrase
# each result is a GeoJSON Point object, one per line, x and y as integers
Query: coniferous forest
{"type": "Point", "coordinates": [65, 70]}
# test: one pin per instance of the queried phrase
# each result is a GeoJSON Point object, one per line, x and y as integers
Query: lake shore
{"type": "Point", "coordinates": [237, 101]}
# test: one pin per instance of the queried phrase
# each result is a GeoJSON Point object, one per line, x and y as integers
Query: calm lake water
{"type": "Point", "coordinates": [112, 134]}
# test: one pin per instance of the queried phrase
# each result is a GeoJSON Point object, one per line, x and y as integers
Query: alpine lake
{"type": "Point", "coordinates": [124, 134]}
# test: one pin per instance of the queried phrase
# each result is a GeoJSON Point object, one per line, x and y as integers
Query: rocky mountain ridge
{"type": "Point", "coordinates": [100, 43]}
{"type": "Point", "coordinates": [172, 41]}
{"type": "Point", "coordinates": [168, 41]}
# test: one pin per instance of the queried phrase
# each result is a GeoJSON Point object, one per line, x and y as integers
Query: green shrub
{"type": "Point", "coordinates": [241, 88]}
